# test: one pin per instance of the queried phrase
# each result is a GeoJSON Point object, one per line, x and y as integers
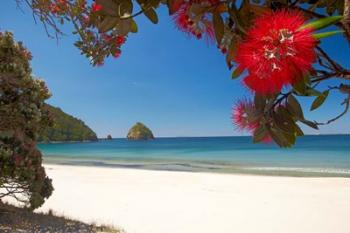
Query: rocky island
{"type": "Point", "coordinates": [140, 132]}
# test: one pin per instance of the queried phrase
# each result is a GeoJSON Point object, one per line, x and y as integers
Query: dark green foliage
{"type": "Point", "coordinates": [140, 132]}
{"type": "Point", "coordinates": [22, 115]}
{"type": "Point", "coordinates": [66, 128]}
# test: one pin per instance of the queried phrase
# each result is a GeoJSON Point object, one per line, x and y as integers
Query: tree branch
{"type": "Point", "coordinates": [346, 102]}
{"type": "Point", "coordinates": [346, 19]}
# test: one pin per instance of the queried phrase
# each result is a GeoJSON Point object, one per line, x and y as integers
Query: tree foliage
{"type": "Point", "coordinates": [22, 116]}
{"type": "Point", "coordinates": [103, 27]}
{"type": "Point", "coordinates": [66, 128]}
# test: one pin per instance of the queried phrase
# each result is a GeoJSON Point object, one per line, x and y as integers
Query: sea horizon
{"type": "Point", "coordinates": [313, 155]}
{"type": "Point", "coordinates": [169, 137]}
{"type": "Point", "coordinates": [230, 136]}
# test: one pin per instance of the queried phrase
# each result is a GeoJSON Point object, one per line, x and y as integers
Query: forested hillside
{"type": "Point", "coordinates": [66, 128]}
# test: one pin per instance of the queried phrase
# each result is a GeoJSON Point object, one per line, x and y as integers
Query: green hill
{"type": "Point", "coordinates": [66, 128]}
{"type": "Point", "coordinates": [140, 132]}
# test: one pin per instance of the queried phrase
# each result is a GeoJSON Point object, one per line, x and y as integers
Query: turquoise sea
{"type": "Point", "coordinates": [327, 155]}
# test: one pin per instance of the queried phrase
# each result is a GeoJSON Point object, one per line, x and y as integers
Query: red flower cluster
{"type": "Point", "coordinates": [17, 159]}
{"type": "Point", "coordinates": [188, 22]}
{"type": "Point", "coordinates": [96, 7]}
{"type": "Point", "coordinates": [120, 40]}
{"type": "Point", "coordinates": [115, 43]}
{"type": "Point", "coordinates": [243, 116]}
{"type": "Point", "coordinates": [117, 54]}
{"type": "Point", "coordinates": [276, 52]}
{"type": "Point", "coordinates": [58, 6]}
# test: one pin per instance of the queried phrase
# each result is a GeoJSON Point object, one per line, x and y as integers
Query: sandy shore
{"type": "Point", "coordinates": [142, 201]}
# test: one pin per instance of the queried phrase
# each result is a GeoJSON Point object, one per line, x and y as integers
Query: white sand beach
{"type": "Point", "coordinates": [144, 201]}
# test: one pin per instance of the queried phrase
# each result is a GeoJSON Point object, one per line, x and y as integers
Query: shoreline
{"type": "Point", "coordinates": [66, 142]}
{"type": "Point", "coordinates": [151, 201]}
{"type": "Point", "coordinates": [206, 167]}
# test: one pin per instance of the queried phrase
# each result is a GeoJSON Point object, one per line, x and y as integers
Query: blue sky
{"type": "Point", "coordinates": [176, 85]}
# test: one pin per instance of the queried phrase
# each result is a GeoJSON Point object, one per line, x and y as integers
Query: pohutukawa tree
{"type": "Point", "coordinates": [23, 115]}
{"type": "Point", "coordinates": [275, 45]}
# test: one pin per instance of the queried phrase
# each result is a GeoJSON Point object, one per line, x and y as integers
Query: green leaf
{"type": "Point", "coordinates": [319, 100]}
{"type": "Point", "coordinates": [322, 35]}
{"type": "Point", "coordinates": [294, 107]}
{"type": "Point", "coordinates": [283, 140]}
{"type": "Point", "coordinates": [284, 120]}
{"type": "Point", "coordinates": [298, 131]}
{"type": "Point", "coordinates": [125, 8]}
{"type": "Point", "coordinates": [151, 15]}
{"type": "Point", "coordinates": [133, 26]}
{"type": "Point", "coordinates": [219, 27]}
{"type": "Point", "coordinates": [231, 53]}
{"type": "Point", "coordinates": [291, 138]}
{"type": "Point", "coordinates": [107, 24]}
{"type": "Point", "coordinates": [109, 7]}
{"type": "Point", "coordinates": [153, 3]}
{"type": "Point", "coordinates": [312, 92]}
{"type": "Point", "coordinates": [170, 4]}
{"type": "Point", "coordinates": [235, 16]}
{"type": "Point", "coordinates": [6, 133]}
{"type": "Point", "coordinates": [237, 72]}
{"type": "Point", "coordinates": [309, 123]}
{"type": "Point", "coordinates": [322, 23]}
{"type": "Point", "coordinates": [300, 87]}
{"type": "Point", "coordinates": [124, 26]}
{"type": "Point", "coordinates": [259, 134]}
{"type": "Point", "coordinates": [259, 102]}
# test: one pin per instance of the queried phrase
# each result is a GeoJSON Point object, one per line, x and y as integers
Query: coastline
{"type": "Point", "coordinates": [202, 167]}
{"type": "Point", "coordinates": [62, 142]}
{"type": "Point", "coordinates": [153, 201]}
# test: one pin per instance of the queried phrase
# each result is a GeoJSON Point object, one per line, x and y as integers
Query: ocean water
{"type": "Point", "coordinates": [326, 155]}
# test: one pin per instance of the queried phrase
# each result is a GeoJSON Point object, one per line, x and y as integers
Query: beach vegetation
{"type": "Point", "coordinates": [14, 219]}
{"type": "Point", "coordinates": [23, 115]}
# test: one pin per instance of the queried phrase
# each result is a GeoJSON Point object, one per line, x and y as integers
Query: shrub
{"type": "Point", "coordinates": [23, 115]}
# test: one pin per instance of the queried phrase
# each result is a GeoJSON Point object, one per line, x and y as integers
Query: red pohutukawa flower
{"type": "Point", "coordinates": [243, 116]}
{"type": "Point", "coordinates": [276, 52]}
{"type": "Point", "coordinates": [120, 40]}
{"type": "Point", "coordinates": [96, 7]}
{"type": "Point", "coordinates": [58, 6]}
{"type": "Point", "coordinates": [117, 54]}
{"type": "Point", "coordinates": [192, 24]}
